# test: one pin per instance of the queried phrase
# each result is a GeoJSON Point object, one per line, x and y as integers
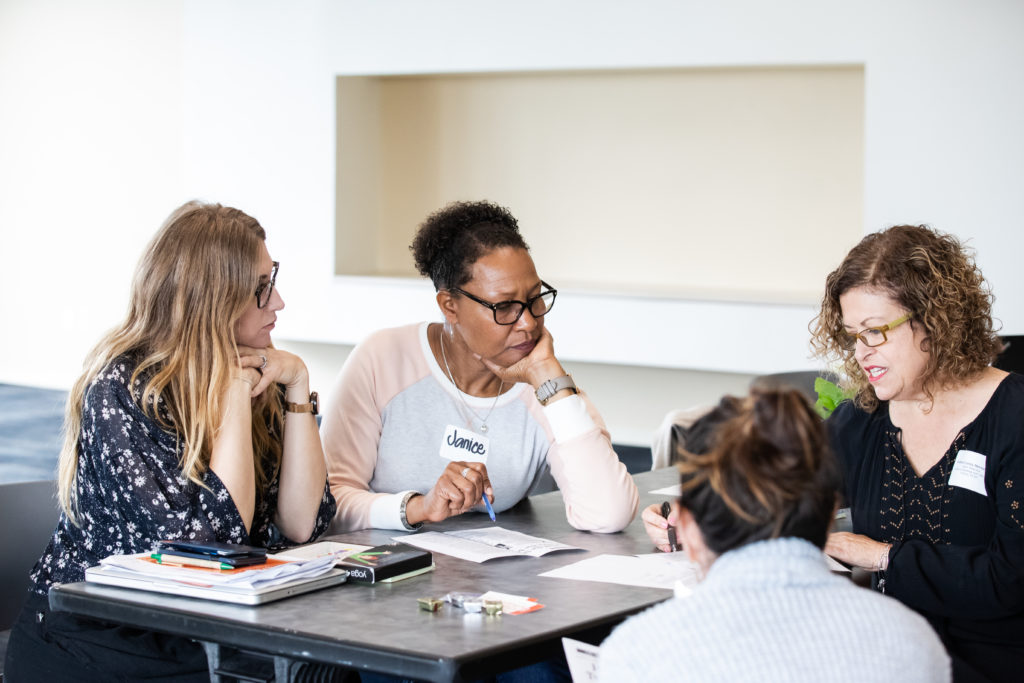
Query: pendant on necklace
{"type": "Point", "coordinates": [483, 427]}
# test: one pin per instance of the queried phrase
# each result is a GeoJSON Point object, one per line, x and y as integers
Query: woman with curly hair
{"type": "Point", "coordinates": [932, 444]}
{"type": "Point", "coordinates": [753, 514]}
{"type": "Point", "coordinates": [186, 424]}
{"type": "Point", "coordinates": [427, 419]}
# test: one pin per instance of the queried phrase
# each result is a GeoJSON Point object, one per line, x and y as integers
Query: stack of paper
{"type": "Point", "coordinates": [256, 584]}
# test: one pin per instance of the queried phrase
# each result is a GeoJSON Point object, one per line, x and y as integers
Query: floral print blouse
{"type": "Point", "coordinates": [132, 493]}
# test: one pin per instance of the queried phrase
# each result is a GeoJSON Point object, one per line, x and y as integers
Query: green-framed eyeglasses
{"type": "Point", "coordinates": [874, 336]}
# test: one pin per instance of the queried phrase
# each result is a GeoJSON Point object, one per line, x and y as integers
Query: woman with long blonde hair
{"type": "Point", "coordinates": [185, 424]}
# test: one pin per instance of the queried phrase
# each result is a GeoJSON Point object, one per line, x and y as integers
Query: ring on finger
{"type": "Point", "coordinates": [264, 359]}
{"type": "Point", "coordinates": [465, 471]}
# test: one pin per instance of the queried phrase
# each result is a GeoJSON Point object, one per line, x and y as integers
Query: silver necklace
{"type": "Point", "coordinates": [462, 398]}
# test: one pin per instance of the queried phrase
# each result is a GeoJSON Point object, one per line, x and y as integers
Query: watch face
{"type": "Point", "coordinates": [314, 398]}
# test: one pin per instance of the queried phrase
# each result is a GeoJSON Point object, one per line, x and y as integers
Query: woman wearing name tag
{"type": "Point", "coordinates": [428, 418]}
{"type": "Point", "coordinates": [186, 424]}
{"type": "Point", "coordinates": [932, 444]}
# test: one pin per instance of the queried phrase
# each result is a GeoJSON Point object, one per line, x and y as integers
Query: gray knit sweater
{"type": "Point", "coordinates": [772, 611]}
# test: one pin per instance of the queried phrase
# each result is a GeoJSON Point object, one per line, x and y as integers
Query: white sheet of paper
{"type": "Point", "coordinates": [655, 570]}
{"type": "Point", "coordinates": [582, 660]}
{"type": "Point", "coordinates": [674, 491]}
{"type": "Point", "coordinates": [969, 472]}
{"type": "Point", "coordinates": [485, 543]}
{"type": "Point", "coordinates": [834, 566]}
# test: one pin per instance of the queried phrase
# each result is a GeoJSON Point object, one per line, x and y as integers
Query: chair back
{"type": "Point", "coordinates": [29, 512]}
{"type": "Point", "coordinates": [1012, 357]}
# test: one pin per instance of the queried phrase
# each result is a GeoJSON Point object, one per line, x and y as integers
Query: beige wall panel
{"type": "Point", "coordinates": [358, 180]}
{"type": "Point", "coordinates": [687, 182]}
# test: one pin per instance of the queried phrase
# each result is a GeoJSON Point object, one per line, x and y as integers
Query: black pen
{"type": "Point", "coordinates": [666, 508]}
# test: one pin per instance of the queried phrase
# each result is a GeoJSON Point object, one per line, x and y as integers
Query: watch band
{"type": "Point", "coordinates": [552, 386]}
{"type": "Point", "coordinates": [402, 512]}
{"type": "Point", "coordinates": [312, 407]}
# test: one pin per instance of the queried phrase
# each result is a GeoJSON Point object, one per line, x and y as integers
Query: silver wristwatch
{"type": "Point", "coordinates": [552, 386]}
{"type": "Point", "coordinates": [402, 514]}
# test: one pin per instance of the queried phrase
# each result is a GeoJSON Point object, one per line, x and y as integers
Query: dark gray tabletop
{"type": "Point", "coordinates": [380, 627]}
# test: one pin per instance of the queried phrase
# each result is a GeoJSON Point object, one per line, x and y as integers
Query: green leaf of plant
{"type": "Point", "coordinates": [829, 396]}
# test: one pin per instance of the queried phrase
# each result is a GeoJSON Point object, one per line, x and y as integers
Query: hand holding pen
{"type": "Point", "coordinates": [459, 489]}
{"type": "Point", "coordinates": [659, 527]}
{"type": "Point", "coordinates": [666, 511]}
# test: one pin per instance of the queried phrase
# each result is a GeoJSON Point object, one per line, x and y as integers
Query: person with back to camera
{"type": "Point", "coordinates": [932, 445]}
{"type": "Point", "coordinates": [695, 439]}
{"type": "Point", "coordinates": [186, 424]}
{"type": "Point", "coordinates": [428, 418]}
{"type": "Point", "coordinates": [753, 514]}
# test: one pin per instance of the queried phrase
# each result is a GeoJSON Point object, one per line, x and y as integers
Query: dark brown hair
{"type": "Point", "coordinates": [769, 474]}
{"type": "Point", "coordinates": [931, 275]}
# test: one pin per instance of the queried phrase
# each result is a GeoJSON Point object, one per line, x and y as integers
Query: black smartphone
{"type": "Point", "coordinates": [214, 549]}
{"type": "Point", "coordinates": [168, 555]}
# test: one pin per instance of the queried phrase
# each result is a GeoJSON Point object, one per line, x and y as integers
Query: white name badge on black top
{"type": "Point", "coordinates": [464, 444]}
{"type": "Point", "coordinates": [969, 472]}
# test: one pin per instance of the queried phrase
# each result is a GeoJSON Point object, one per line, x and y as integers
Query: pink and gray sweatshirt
{"type": "Point", "coordinates": [393, 408]}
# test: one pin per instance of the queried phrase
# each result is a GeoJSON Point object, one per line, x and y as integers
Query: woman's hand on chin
{"type": "Point", "coordinates": [535, 368]}
{"type": "Point", "coordinates": [275, 366]}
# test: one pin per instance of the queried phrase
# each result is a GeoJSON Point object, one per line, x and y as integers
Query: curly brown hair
{"type": "Point", "coordinates": [933, 276]}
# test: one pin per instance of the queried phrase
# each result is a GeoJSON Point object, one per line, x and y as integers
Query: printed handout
{"type": "Point", "coordinates": [485, 543]}
{"type": "Point", "coordinates": [582, 660]}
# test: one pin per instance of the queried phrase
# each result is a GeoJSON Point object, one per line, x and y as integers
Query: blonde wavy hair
{"type": "Point", "coordinates": [931, 275]}
{"type": "Point", "coordinates": [195, 280]}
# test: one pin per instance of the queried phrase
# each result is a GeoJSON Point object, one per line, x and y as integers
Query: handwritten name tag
{"type": "Point", "coordinates": [464, 444]}
{"type": "Point", "coordinates": [969, 472]}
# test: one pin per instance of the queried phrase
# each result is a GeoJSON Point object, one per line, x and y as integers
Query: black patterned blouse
{"type": "Point", "coordinates": [132, 493]}
{"type": "Point", "coordinates": [958, 553]}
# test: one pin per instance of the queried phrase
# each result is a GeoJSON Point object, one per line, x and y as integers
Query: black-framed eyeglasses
{"type": "Point", "coordinates": [874, 336]}
{"type": "Point", "coordinates": [265, 289]}
{"type": "Point", "coordinates": [508, 312]}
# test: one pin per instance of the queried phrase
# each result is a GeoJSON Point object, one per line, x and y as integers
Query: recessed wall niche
{"type": "Point", "coordinates": [720, 183]}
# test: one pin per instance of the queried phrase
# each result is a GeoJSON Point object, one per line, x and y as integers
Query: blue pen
{"type": "Point", "coordinates": [490, 510]}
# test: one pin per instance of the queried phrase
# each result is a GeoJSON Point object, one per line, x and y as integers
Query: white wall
{"type": "Point", "coordinates": [114, 112]}
{"type": "Point", "coordinates": [90, 164]}
{"type": "Point", "coordinates": [931, 154]}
